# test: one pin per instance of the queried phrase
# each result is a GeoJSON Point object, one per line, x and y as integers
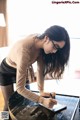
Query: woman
{"type": "Point", "coordinates": [50, 50]}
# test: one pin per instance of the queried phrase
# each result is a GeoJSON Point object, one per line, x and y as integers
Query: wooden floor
{"type": "Point", "coordinates": [1, 101]}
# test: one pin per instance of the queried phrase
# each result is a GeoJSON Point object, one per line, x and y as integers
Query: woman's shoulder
{"type": "Point", "coordinates": [28, 40]}
{"type": "Point", "coordinates": [25, 41]}
{"type": "Point", "coordinates": [31, 36]}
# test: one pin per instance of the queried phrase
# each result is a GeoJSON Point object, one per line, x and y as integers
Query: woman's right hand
{"type": "Point", "coordinates": [48, 102]}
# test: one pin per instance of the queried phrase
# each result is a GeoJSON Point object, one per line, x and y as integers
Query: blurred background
{"type": "Point", "coordinates": [18, 18]}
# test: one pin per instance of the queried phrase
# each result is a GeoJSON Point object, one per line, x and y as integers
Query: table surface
{"type": "Point", "coordinates": [20, 103]}
{"type": "Point", "coordinates": [63, 87]}
{"type": "Point", "coordinates": [72, 104]}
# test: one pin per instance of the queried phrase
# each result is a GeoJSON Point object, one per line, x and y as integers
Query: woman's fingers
{"type": "Point", "coordinates": [49, 102]}
{"type": "Point", "coordinates": [53, 94]}
{"type": "Point", "coordinates": [52, 103]}
{"type": "Point", "coordinates": [47, 94]}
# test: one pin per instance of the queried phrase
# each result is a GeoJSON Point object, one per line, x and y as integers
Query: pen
{"type": "Point", "coordinates": [52, 96]}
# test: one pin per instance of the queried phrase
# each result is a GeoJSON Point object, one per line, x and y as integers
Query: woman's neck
{"type": "Point", "coordinates": [39, 43]}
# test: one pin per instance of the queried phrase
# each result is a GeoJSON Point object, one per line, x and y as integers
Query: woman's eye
{"type": "Point", "coordinates": [56, 47]}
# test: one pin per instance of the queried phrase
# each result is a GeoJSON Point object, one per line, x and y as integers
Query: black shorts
{"type": "Point", "coordinates": [7, 74]}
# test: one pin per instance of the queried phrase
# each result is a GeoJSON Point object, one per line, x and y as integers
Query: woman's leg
{"type": "Point", "coordinates": [6, 91]}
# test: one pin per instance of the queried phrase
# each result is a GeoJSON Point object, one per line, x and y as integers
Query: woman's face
{"type": "Point", "coordinates": [51, 46]}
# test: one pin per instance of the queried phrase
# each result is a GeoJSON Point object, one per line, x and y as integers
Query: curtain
{"type": "Point", "coordinates": [3, 30]}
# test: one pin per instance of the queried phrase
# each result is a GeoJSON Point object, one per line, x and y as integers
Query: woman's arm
{"type": "Point", "coordinates": [40, 76]}
{"type": "Point", "coordinates": [23, 62]}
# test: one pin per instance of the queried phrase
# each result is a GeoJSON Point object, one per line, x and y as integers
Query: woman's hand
{"type": "Point", "coordinates": [47, 94]}
{"type": "Point", "coordinates": [47, 99]}
{"type": "Point", "coordinates": [47, 102]}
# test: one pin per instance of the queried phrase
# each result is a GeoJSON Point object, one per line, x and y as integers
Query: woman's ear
{"type": "Point", "coordinates": [46, 39]}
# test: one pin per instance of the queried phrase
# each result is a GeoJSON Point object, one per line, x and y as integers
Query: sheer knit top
{"type": "Point", "coordinates": [22, 55]}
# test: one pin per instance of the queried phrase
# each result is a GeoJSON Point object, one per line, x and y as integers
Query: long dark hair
{"type": "Point", "coordinates": [55, 62]}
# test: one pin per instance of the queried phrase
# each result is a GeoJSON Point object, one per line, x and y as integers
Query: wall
{"type": "Point", "coordinates": [27, 16]}
{"type": "Point", "coordinates": [74, 61]}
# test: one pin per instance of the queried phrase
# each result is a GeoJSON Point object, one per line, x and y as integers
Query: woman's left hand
{"type": "Point", "coordinates": [48, 94]}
